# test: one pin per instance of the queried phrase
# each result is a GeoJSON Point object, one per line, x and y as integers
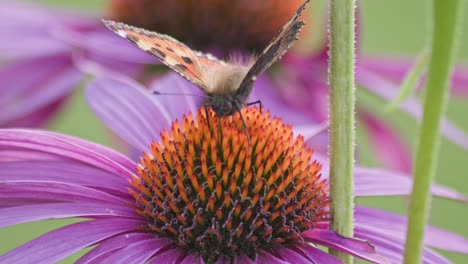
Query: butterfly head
{"type": "Point", "coordinates": [224, 104]}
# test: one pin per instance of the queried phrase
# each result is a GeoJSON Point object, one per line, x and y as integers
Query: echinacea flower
{"type": "Point", "coordinates": [82, 40]}
{"type": "Point", "coordinates": [199, 193]}
{"type": "Point", "coordinates": [39, 52]}
{"type": "Point", "coordinates": [217, 28]}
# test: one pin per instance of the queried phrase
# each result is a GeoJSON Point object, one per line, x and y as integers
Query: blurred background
{"type": "Point", "coordinates": [392, 28]}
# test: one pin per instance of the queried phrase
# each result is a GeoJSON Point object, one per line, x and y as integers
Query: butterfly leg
{"type": "Point", "coordinates": [207, 116]}
{"type": "Point", "coordinates": [239, 108]}
{"type": "Point", "coordinates": [256, 102]}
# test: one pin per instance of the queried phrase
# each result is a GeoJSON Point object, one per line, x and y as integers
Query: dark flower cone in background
{"type": "Point", "coordinates": [243, 25]}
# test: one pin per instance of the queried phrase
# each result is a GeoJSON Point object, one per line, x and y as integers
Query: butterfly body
{"type": "Point", "coordinates": [226, 84]}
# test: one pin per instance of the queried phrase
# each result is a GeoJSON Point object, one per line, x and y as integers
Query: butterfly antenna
{"type": "Point", "coordinates": [159, 93]}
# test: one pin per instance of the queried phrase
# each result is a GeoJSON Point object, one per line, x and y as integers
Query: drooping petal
{"type": "Point", "coordinates": [266, 257]}
{"type": "Point", "coordinates": [393, 248]}
{"type": "Point", "coordinates": [68, 147]}
{"type": "Point", "coordinates": [62, 171]}
{"type": "Point", "coordinates": [65, 241]}
{"type": "Point", "coordinates": [243, 259]}
{"type": "Point", "coordinates": [168, 256]}
{"type": "Point", "coordinates": [355, 247]}
{"type": "Point", "coordinates": [388, 90]}
{"type": "Point", "coordinates": [316, 255]}
{"type": "Point", "coordinates": [37, 191]}
{"type": "Point", "coordinates": [112, 244]}
{"type": "Point", "coordinates": [138, 119]}
{"type": "Point", "coordinates": [46, 81]}
{"type": "Point", "coordinates": [194, 259]}
{"type": "Point", "coordinates": [378, 182]}
{"type": "Point", "coordinates": [30, 213]}
{"type": "Point", "coordinates": [265, 92]}
{"type": "Point", "coordinates": [182, 96]}
{"type": "Point", "coordinates": [396, 69]}
{"type": "Point", "coordinates": [294, 257]}
{"type": "Point", "coordinates": [137, 252]}
{"type": "Point", "coordinates": [393, 225]}
{"type": "Point", "coordinates": [389, 148]}
{"type": "Point", "coordinates": [105, 44]}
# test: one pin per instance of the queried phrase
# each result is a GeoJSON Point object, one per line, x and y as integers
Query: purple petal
{"type": "Point", "coordinates": [311, 130]}
{"type": "Point", "coordinates": [170, 256]}
{"type": "Point", "coordinates": [243, 259]}
{"type": "Point", "coordinates": [358, 248]}
{"type": "Point", "coordinates": [128, 109]}
{"type": "Point", "coordinates": [265, 91]}
{"type": "Point", "coordinates": [388, 90]}
{"type": "Point", "coordinates": [104, 43]}
{"type": "Point", "coordinates": [68, 147]}
{"type": "Point", "coordinates": [389, 148]}
{"type": "Point", "coordinates": [377, 182]}
{"type": "Point", "coordinates": [397, 68]}
{"type": "Point", "coordinates": [193, 259]}
{"type": "Point", "coordinates": [392, 225]}
{"type": "Point", "coordinates": [188, 97]}
{"type": "Point", "coordinates": [26, 94]}
{"type": "Point", "coordinates": [62, 171]}
{"type": "Point", "coordinates": [39, 117]}
{"type": "Point", "coordinates": [316, 255]}
{"type": "Point", "coordinates": [65, 241]}
{"type": "Point", "coordinates": [112, 244]}
{"type": "Point", "coordinates": [294, 257]}
{"type": "Point", "coordinates": [137, 252]}
{"type": "Point", "coordinates": [44, 46]}
{"type": "Point", "coordinates": [29, 213]}
{"type": "Point", "coordinates": [393, 248]}
{"type": "Point", "coordinates": [266, 258]}
{"type": "Point", "coordinates": [40, 191]}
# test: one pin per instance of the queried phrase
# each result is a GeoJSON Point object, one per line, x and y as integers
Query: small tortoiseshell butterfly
{"type": "Point", "coordinates": [227, 84]}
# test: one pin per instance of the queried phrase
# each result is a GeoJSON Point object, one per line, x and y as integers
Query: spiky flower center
{"type": "Point", "coordinates": [204, 186]}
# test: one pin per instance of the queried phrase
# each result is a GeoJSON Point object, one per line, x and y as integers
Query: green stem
{"type": "Point", "coordinates": [446, 29]}
{"type": "Point", "coordinates": [342, 100]}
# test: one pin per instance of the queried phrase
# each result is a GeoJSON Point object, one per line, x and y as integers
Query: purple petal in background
{"type": "Point", "coordinates": [138, 119]}
{"type": "Point", "coordinates": [389, 148]}
{"type": "Point", "coordinates": [393, 248]}
{"type": "Point", "coordinates": [378, 182]}
{"type": "Point", "coordinates": [396, 69]}
{"type": "Point", "coordinates": [188, 99]}
{"type": "Point", "coordinates": [388, 91]}
{"type": "Point", "coordinates": [393, 225]}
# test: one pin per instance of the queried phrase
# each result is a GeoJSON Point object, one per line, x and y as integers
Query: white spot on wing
{"type": "Point", "coordinates": [121, 33]}
{"type": "Point", "coordinates": [171, 61]}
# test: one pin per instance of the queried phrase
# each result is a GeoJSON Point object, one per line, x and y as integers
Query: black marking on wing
{"type": "Point", "coordinates": [158, 45]}
{"type": "Point", "coordinates": [272, 53]}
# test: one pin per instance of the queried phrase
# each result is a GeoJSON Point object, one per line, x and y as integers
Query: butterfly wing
{"type": "Point", "coordinates": [273, 52]}
{"type": "Point", "coordinates": [186, 62]}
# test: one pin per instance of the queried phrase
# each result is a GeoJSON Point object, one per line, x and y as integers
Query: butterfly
{"type": "Point", "coordinates": [226, 84]}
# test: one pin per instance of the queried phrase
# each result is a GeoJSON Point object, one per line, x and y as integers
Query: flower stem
{"type": "Point", "coordinates": [342, 99]}
{"type": "Point", "coordinates": [446, 29]}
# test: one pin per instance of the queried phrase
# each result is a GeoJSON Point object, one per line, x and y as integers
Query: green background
{"type": "Point", "coordinates": [387, 27]}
